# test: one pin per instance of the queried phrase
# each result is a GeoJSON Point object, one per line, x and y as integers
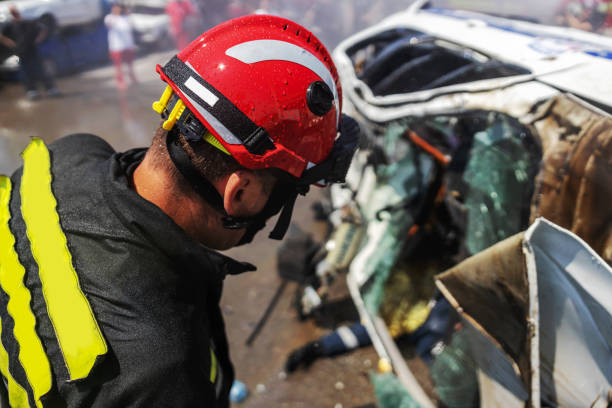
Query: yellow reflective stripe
{"type": "Point", "coordinates": [31, 353]}
{"type": "Point", "coordinates": [208, 137]}
{"type": "Point", "coordinates": [213, 366]}
{"type": "Point", "coordinates": [75, 326]}
{"type": "Point", "coordinates": [17, 395]}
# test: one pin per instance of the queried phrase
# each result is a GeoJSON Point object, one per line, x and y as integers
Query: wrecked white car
{"type": "Point", "coordinates": [475, 128]}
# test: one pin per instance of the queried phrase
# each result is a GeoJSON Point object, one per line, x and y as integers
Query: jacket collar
{"type": "Point", "coordinates": [147, 221]}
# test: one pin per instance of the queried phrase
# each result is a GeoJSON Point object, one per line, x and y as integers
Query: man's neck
{"type": "Point", "coordinates": [186, 209]}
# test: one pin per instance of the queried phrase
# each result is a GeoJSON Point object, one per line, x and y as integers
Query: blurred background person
{"type": "Point", "coordinates": [121, 44]}
{"type": "Point", "coordinates": [184, 21]}
{"type": "Point", "coordinates": [587, 15]}
{"type": "Point", "coordinates": [22, 36]}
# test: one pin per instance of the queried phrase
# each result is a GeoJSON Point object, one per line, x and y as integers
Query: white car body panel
{"type": "Point", "coordinates": [567, 59]}
{"type": "Point", "coordinates": [65, 12]}
{"type": "Point", "coordinates": [153, 28]}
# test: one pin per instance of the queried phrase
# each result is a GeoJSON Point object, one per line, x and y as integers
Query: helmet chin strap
{"type": "Point", "coordinates": [201, 185]}
{"type": "Point", "coordinates": [282, 197]}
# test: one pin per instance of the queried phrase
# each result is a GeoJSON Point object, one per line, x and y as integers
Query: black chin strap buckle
{"type": "Point", "coordinates": [258, 142]}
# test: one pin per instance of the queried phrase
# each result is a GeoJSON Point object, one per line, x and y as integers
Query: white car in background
{"type": "Point", "coordinates": [149, 17]}
{"type": "Point", "coordinates": [60, 13]}
{"type": "Point", "coordinates": [82, 21]}
{"type": "Point", "coordinates": [54, 14]}
{"type": "Point", "coordinates": [150, 23]}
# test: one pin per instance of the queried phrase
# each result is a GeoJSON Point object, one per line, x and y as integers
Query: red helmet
{"type": "Point", "coordinates": [265, 87]}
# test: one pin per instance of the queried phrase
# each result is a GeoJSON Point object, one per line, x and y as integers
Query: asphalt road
{"type": "Point", "coordinates": [92, 104]}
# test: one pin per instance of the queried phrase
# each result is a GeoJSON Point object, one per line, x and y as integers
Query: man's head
{"type": "Point", "coordinates": [14, 12]}
{"type": "Point", "coordinates": [242, 192]}
{"type": "Point", "coordinates": [262, 94]}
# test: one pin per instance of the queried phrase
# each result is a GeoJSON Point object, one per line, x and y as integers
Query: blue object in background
{"type": "Point", "coordinates": [440, 320]}
{"type": "Point", "coordinates": [72, 50]}
{"type": "Point", "coordinates": [344, 339]}
{"type": "Point", "coordinates": [238, 392]}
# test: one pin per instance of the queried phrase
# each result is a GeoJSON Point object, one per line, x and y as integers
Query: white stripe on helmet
{"type": "Point", "coordinates": [251, 52]}
{"type": "Point", "coordinates": [197, 88]}
{"type": "Point", "coordinates": [223, 132]}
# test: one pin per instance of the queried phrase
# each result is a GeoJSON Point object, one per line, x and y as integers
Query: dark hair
{"type": "Point", "coordinates": [210, 161]}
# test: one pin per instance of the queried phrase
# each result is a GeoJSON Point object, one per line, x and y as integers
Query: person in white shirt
{"type": "Point", "coordinates": [121, 43]}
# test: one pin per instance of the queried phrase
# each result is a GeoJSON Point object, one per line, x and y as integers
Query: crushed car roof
{"type": "Point", "coordinates": [564, 58]}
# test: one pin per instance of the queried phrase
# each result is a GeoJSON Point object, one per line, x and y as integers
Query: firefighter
{"type": "Point", "coordinates": [109, 278]}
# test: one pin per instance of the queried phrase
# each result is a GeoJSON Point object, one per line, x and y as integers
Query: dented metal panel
{"type": "Point", "coordinates": [494, 395]}
{"type": "Point", "coordinates": [558, 342]}
{"type": "Point", "coordinates": [574, 317]}
{"type": "Point", "coordinates": [490, 291]}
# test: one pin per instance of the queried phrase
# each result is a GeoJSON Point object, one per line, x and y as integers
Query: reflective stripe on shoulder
{"type": "Point", "coordinates": [18, 397]}
{"type": "Point", "coordinates": [213, 366]}
{"type": "Point", "coordinates": [75, 326]}
{"type": "Point", "coordinates": [31, 353]}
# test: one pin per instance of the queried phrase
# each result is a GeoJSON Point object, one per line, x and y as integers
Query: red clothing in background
{"type": "Point", "coordinates": [179, 12]}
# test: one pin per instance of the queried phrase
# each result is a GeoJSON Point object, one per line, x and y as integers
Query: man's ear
{"type": "Point", "coordinates": [244, 194]}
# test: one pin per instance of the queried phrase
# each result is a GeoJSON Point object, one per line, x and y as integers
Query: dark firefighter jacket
{"type": "Point", "coordinates": [104, 300]}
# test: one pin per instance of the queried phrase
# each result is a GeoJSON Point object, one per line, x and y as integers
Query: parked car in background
{"type": "Point", "coordinates": [78, 37]}
{"type": "Point", "coordinates": [55, 13]}
{"type": "Point", "coordinates": [151, 23]}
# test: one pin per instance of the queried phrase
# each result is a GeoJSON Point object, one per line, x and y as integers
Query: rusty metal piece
{"type": "Point", "coordinates": [573, 186]}
{"type": "Point", "coordinates": [490, 290]}
{"type": "Point", "coordinates": [537, 308]}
